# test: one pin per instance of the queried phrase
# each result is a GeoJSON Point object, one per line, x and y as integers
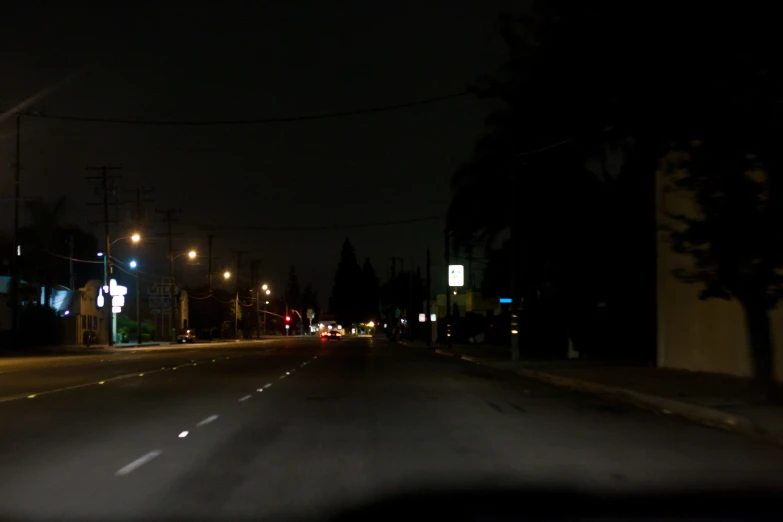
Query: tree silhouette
{"type": "Point", "coordinates": [310, 299]}
{"type": "Point", "coordinates": [292, 293]}
{"type": "Point", "coordinates": [735, 240]}
{"type": "Point", "coordinates": [370, 291]}
{"type": "Point", "coordinates": [46, 246]}
{"type": "Point", "coordinates": [346, 299]}
{"type": "Point", "coordinates": [588, 102]}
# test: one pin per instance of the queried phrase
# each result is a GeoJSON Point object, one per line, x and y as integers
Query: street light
{"type": "Point", "coordinates": [267, 291]}
{"type": "Point", "coordinates": [134, 264]}
{"type": "Point", "coordinates": [191, 254]}
{"type": "Point", "coordinates": [226, 275]}
{"type": "Point", "coordinates": [135, 238]}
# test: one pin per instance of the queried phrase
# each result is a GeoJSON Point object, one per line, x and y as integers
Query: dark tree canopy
{"type": "Point", "coordinates": [370, 292]}
{"type": "Point", "coordinates": [292, 293]}
{"type": "Point", "coordinates": [346, 297]}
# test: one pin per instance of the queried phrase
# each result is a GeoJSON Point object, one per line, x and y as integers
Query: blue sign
{"type": "Point", "coordinates": [505, 300]}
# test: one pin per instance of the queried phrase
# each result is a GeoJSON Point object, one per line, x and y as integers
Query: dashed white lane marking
{"type": "Point", "coordinates": [211, 418]}
{"type": "Point", "coordinates": [288, 373]}
{"type": "Point", "coordinates": [136, 464]}
{"type": "Point", "coordinates": [246, 397]}
{"type": "Point", "coordinates": [282, 376]}
{"type": "Point", "coordinates": [183, 434]}
{"type": "Point", "coordinates": [267, 385]}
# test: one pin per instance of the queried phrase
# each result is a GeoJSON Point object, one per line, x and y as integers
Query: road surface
{"type": "Point", "coordinates": [302, 426]}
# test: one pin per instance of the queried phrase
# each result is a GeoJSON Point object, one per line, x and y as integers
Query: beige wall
{"type": "Point", "coordinates": [693, 334]}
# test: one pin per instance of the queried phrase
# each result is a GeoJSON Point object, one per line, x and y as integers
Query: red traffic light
{"type": "Point", "coordinates": [287, 319]}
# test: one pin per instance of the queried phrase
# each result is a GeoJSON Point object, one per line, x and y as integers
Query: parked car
{"type": "Point", "coordinates": [188, 336]}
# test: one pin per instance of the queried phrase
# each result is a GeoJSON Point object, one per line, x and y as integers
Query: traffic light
{"type": "Point", "coordinates": [287, 318]}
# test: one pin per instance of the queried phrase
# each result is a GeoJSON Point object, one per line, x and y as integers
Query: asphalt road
{"type": "Point", "coordinates": [304, 427]}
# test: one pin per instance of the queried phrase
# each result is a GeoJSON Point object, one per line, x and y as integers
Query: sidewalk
{"type": "Point", "coordinates": [720, 401]}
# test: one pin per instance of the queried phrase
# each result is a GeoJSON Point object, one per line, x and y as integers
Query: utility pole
{"type": "Point", "coordinates": [14, 293]}
{"type": "Point", "coordinates": [427, 320]}
{"type": "Point", "coordinates": [257, 290]}
{"type": "Point", "coordinates": [169, 219]}
{"type": "Point", "coordinates": [448, 293]}
{"type": "Point", "coordinates": [71, 271]}
{"type": "Point", "coordinates": [515, 276]}
{"type": "Point", "coordinates": [210, 238]}
{"type": "Point", "coordinates": [411, 309]}
{"type": "Point", "coordinates": [236, 292]}
{"type": "Point", "coordinates": [139, 208]}
{"type": "Point", "coordinates": [107, 262]}
{"type": "Point", "coordinates": [138, 309]}
{"type": "Point", "coordinates": [408, 302]}
{"type": "Point", "coordinates": [393, 286]}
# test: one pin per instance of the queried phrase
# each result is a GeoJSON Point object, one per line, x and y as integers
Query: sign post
{"type": "Point", "coordinates": [117, 294]}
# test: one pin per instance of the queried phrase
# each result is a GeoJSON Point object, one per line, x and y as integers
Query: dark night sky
{"type": "Point", "coordinates": [282, 59]}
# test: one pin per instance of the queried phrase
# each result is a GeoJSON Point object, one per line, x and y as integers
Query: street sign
{"type": "Point", "coordinates": [456, 275]}
{"type": "Point", "coordinates": [310, 313]}
{"type": "Point", "coordinates": [397, 313]}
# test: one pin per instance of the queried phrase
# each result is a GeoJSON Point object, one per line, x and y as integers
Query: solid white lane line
{"type": "Point", "coordinates": [211, 418]}
{"type": "Point", "coordinates": [246, 397]}
{"type": "Point", "coordinates": [136, 464]}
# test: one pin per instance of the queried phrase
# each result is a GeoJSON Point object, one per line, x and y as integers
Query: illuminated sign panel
{"type": "Point", "coordinates": [117, 293]}
{"type": "Point", "coordinates": [456, 275]}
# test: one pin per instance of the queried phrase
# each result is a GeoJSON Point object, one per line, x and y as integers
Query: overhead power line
{"type": "Point", "coordinates": [319, 227]}
{"type": "Point", "coordinates": [251, 121]}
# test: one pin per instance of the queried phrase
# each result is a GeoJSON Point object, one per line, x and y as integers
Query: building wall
{"type": "Point", "coordinates": [694, 334]}
{"type": "Point", "coordinates": [85, 315]}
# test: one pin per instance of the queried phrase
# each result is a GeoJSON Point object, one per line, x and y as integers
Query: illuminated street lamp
{"type": "Point", "coordinates": [135, 238]}
{"type": "Point", "coordinates": [265, 287]}
{"type": "Point", "coordinates": [226, 275]}
{"type": "Point", "coordinates": [268, 292]}
{"type": "Point", "coordinates": [134, 264]}
{"type": "Point", "coordinates": [192, 254]}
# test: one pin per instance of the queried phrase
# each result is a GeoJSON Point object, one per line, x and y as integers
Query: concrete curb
{"type": "Point", "coordinates": [704, 415]}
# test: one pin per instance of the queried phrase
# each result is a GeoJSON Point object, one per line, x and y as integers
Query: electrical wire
{"type": "Point", "coordinates": [316, 227]}
{"type": "Point", "coordinates": [73, 258]}
{"type": "Point", "coordinates": [252, 121]}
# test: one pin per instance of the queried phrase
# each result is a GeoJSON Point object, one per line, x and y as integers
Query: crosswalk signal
{"type": "Point", "coordinates": [287, 318]}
